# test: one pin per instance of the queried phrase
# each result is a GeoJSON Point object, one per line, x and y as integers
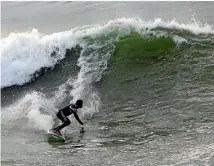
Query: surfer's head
{"type": "Point", "coordinates": [79, 103]}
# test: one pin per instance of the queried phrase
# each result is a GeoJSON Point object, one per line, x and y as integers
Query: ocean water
{"type": "Point", "coordinates": [143, 69]}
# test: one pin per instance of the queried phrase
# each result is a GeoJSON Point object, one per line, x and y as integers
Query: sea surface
{"type": "Point", "coordinates": [145, 71]}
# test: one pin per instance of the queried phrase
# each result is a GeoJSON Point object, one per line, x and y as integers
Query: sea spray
{"type": "Point", "coordinates": [33, 108]}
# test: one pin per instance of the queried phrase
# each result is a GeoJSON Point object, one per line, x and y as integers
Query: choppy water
{"type": "Point", "coordinates": [144, 71]}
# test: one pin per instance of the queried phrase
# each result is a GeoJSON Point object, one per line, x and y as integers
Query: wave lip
{"type": "Point", "coordinates": [23, 54]}
{"type": "Point", "coordinates": [193, 27]}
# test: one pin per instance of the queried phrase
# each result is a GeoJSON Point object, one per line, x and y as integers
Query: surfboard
{"type": "Point", "coordinates": [55, 137]}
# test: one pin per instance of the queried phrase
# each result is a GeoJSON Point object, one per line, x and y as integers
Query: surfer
{"type": "Point", "coordinates": [63, 113]}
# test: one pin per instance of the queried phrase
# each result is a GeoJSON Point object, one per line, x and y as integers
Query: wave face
{"type": "Point", "coordinates": [120, 43]}
{"type": "Point", "coordinates": [25, 54]}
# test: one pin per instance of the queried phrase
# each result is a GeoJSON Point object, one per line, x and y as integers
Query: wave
{"type": "Point", "coordinates": [24, 54]}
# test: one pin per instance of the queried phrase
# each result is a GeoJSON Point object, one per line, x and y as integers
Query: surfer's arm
{"type": "Point", "coordinates": [77, 118]}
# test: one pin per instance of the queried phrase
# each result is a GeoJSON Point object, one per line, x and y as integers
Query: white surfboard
{"type": "Point", "coordinates": [55, 137]}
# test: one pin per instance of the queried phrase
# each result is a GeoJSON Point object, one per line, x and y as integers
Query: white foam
{"type": "Point", "coordinates": [91, 66]}
{"type": "Point", "coordinates": [179, 40]}
{"type": "Point", "coordinates": [30, 108]}
{"type": "Point", "coordinates": [40, 121]}
{"type": "Point", "coordinates": [25, 53]}
{"type": "Point", "coordinates": [191, 27]}
{"type": "Point", "coordinates": [194, 27]}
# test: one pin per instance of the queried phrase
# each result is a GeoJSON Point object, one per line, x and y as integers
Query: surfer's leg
{"type": "Point", "coordinates": [64, 119]}
{"type": "Point", "coordinates": [66, 123]}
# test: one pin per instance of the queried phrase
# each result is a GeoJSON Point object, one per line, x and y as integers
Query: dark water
{"type": "Point", "coordinates": [146, 81]}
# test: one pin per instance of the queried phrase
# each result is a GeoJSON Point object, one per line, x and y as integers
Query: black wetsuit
{"type": "Point", "coordinates": [63, 113]}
